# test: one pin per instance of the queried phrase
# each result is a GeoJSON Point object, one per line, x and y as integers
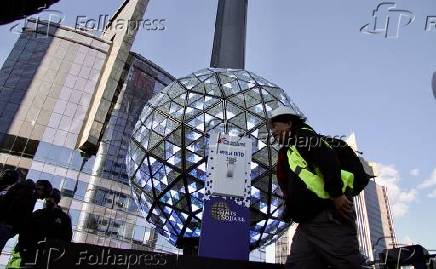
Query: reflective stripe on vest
{"type": "Point", "coordinates": [314, 182]}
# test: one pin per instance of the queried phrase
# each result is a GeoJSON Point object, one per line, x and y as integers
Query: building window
{"type": "Point", "coordinates": [138, 233]}
{"type": "Point", "coordinates": [67, 188]}
{"type": "Point", "coordinates": [81, 190]}
{"type": "Point", "coordinates": [74, 214]}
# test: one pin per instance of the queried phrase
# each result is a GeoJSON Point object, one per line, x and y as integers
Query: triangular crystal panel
{"type": "Point", "coordinates": [198, 146]}
{"type": "Point", "coordinates": [262, 183]}
{"type": "Point", "coordinates": [189, 82]}
{"type": "Point", "coordinates": [262, 156]}
{"type": "Point", "coordinates": [252, 97]}
{"type": "Point", "coordinates": [217, 111]}
{"type": "Point", "coordinates": [176, 137]}
{"type": "Point", "coordinates": [197, 123]}
{"type": "Point", "coordinates": [176, 111]}
{"type": "Point", "coordinates": [231, 88]}
{"type": "Point", "coordinates": [238, 99]}
{"type": "Point", "coordinates": [199, 89]}
{"type": "Point", "coordinates": [239, 120]}
{"type": "Point", "coordinates": [159, 151]}
{"type": "Point", "coordinates": [154, 139]}
{"type": "Point", "coordinates": [253, 121]}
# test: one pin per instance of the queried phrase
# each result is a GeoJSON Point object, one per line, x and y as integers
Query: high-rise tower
{"type": "Point", "coordinates": [62, 89]}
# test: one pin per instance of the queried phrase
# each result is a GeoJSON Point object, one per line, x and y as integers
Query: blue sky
{"type": "Point", "coordinates": [343, 80]}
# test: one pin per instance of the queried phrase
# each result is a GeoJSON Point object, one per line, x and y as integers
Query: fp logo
{"type": "Point", "coordinates": [388, 20]}
{"type": "Point", "coordinates": [40, 23]}
{"type": "Point", "coordinates": [44, 256]}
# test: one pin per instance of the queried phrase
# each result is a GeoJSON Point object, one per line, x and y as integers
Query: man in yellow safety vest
{"type": "Point", "coordinates": [315, 191]}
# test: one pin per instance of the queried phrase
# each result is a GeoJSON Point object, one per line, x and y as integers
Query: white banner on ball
{"type": "Point", "coordinates": [229, 164]}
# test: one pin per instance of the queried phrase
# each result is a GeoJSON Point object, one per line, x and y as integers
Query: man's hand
{"type": "Point", "coordinates": [344, 206]}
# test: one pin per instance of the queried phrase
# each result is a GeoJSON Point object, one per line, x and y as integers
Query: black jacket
{"type": "Point", "coordinates": [301, 204]}
{"type": "Point", "coordinates": [52, 223]}
{"type": "Point", "coordinates": [46, 223]}
{"type": "Point", "coordinates": [17, 204]}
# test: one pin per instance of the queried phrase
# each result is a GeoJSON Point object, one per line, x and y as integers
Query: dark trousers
{"type": "Point", "coordinates": [325, 242]}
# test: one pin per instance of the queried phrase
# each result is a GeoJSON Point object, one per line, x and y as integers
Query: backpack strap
{"type": "Point", "coordinates": [309, 128]}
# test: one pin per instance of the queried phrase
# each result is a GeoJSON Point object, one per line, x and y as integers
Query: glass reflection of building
{"type": "Point", "coordinates": [47, 85]}
{"type": "Point", "coordinates": [283, 245]}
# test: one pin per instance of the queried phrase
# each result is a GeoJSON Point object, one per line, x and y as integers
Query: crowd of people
{"type": "Point", "coordinates": [18, 197]}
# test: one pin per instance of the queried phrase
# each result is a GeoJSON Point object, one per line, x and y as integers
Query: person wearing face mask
{"type": "Point", "coordinates": [51, 222]}
{"type": "Point", "coordinates": [316, 194]}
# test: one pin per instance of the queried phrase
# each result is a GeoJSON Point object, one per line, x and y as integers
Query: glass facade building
{"type": "Point", "coordinates": [46, 86]}
{"type": "Point", "coordinates": [382, 234]}
{"type": "Point", "coordinates": [363, 228]}
{"type": "Point", "coordinates": [49, 85]}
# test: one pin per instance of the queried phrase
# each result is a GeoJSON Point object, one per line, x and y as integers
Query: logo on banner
{"type": "Point", "coordinates": [220, 211]}
{"type": "Point", "coordinates": [224, 141]}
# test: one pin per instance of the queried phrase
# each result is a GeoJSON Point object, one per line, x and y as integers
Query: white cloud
{"type": "Point", "coordinates": [430, 182]}
{"type": "Point", "coordinates": [399, 199]}
{"type": "Point", "coordinates": [414, 172]}
{"type": "Point", "coordinates": [407, 197]}
{"type": "Point", "coordinates": [432, 194]}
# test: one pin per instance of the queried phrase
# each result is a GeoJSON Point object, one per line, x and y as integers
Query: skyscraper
{"type": "Point", "coordinates": [374, 220]}
{"type": "Point", "coordinates": [374, 217]}
{"type": "Point", "coordinates": [380, 216]}
{"type": "Point", "coordinates": [62, 89]}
